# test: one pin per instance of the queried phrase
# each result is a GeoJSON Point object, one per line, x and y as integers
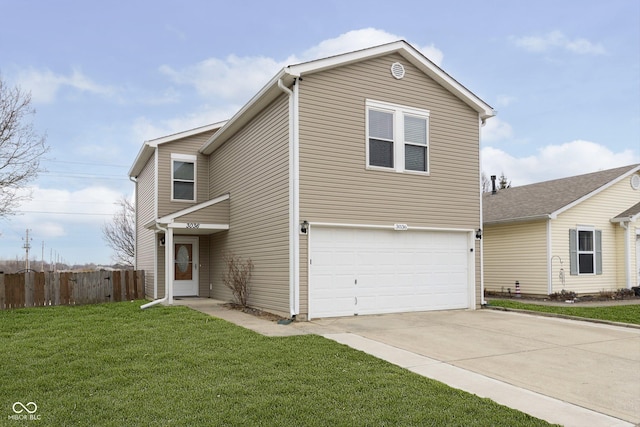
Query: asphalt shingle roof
{"type": "Point", "coordinates": [632, 211]}
{"type": "Point", "coordinates": [543, 198]}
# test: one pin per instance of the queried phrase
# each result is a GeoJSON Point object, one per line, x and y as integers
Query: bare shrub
{"type": "Point", "coordinates": [237, 277]}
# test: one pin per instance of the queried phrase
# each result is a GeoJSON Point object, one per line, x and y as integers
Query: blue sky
{"type": "Point", "coordinates": [564, 77]}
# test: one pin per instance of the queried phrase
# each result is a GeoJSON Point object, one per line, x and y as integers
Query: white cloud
{"type": "Point", "coordinates": [556, 39]}
{"type": "Point", "coordinates": [554, 161]}
{"type": "Point", "coordinates": [55, 212]}
{"type": "Point", "coordinates": [44, 85]}
{"type": "Point", "coordinates": [496, 130]}
{"type": "Point", "coordinates": [361, 39]}
{"type": "Point", "coordinates": [144, 129]}
{"type": "Point", "coordinates": [236, 78]}
{"type": "Point", "coordinates": [233, 78]}
{"type": "Point", "coordinates": [504, 100]}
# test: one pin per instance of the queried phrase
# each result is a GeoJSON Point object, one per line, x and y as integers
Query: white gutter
{"type": "Point", "coordinates": [166, 271]}
{"type": "Point", "coordinates": [294, 194]}
{"type": "Point", "coordinates": [481, 125]}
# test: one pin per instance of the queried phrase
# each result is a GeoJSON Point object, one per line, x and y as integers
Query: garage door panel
{"type": "Point", "coordinates": [395, 271]}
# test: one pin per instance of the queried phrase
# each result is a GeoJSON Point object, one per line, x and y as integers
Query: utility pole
{"type": "Point", "coordinates": [26, 247]}
{"type": "Point", "coordinates": [42, 264]}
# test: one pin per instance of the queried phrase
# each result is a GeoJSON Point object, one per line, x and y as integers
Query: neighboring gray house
{"type": "Point", "coordinates": [351, 182]}
{"type": "Point", "coordinates": [580, 234]}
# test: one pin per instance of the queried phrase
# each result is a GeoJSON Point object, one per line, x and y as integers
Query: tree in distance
{"type": "Point", "coordinates": [21, 148]}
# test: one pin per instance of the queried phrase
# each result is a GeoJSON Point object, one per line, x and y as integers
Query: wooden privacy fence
{"type": "Point", "coordinates": [67, 288]}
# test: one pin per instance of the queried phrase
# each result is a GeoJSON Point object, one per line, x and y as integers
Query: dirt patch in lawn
{"type": "Point", "coordinates": [254, 312]}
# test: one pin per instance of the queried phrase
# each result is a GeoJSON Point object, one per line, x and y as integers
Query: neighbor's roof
{"type": "Point", "coordinates": [288, 75]}
{"type": "Point", "coordinates": [631, 214]}
{"type": "Point", "coordinates": [548, 199]}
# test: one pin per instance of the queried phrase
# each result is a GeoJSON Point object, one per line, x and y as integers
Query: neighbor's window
{"type": "Point", "coordinates": [397, 137]}
{"type": "Point", "coordinates": [586, 254]}
{"type": "Point", "coordinates": [183, 177]}
{"type": "Point", "coordinates": [585, 245]}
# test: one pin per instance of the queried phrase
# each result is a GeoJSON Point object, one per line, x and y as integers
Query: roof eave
{"type": "Point", "coordinates": [149, 146]}
{"type": "Point", "coordinates": [145, 153]}
{"type": "Point", "coordinates": [288, 74]}
{"type": "Point", "coordinates": [520, 219]}
{"type": "Point", "coordinates": [596, 191]}
{"type": "Point", "coordinates": [260, 100]}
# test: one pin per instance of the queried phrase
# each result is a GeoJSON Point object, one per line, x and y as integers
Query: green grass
{"type": "Point", "coordinates": [117, 365]}
{"type": "Point", "coordinates": [619, 313]}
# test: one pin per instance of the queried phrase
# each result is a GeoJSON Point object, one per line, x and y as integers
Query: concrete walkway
{"type": "Point", "coordinates": [563, 371]}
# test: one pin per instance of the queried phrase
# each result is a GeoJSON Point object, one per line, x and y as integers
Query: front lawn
{"type": "Point", "coordinates": [117, 365]}
{"type": "Point", "coordinates": [619, 313]}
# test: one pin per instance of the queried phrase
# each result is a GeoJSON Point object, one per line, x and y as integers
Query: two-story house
{"type": "Point", "coordinates": [351, 182]}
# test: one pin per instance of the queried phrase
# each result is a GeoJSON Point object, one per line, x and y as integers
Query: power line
{"type": "Point", "coordinates": [76, 202]}
{"type": "Point", "coordinates": [67, 213]}
{"type": "Point", "coordinates": [83, 175]}
{"type": "Point", "coordinates": [111, 165]}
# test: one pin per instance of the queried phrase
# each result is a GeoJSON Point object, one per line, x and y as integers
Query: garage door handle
{"type": "Point", "coordinates": [356, 298]}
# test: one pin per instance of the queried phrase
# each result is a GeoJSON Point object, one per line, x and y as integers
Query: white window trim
{"type": "Point", "coordinates": [398, 111]}
{"type": "Point", "coordinates": [185, 158]}
{"type": "Point", "coordinates": [592, 252]}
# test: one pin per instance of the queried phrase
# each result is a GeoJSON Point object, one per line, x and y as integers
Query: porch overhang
{"type": "Point", "coordinates": [204, 218]}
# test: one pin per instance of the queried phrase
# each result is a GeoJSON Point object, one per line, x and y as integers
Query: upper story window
{"type": "Point", "coordinates": [397, 138]}
{"type": "Point", "coordinates": [183, 177]}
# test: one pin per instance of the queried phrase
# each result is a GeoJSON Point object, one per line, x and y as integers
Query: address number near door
{"type": "Point", "coordinates": [400, 227]}
{"type": "Point", "coordinates": [193, 225]}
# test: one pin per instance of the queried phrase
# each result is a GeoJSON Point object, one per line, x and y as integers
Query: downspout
{"type": "Point", "coordinates": [482, 300]}
{"type": "Point", "coordinates": [294, 191]}
{"type": "Point", "coordinates": [627, 252]}
{"type": "Point", "coordinates": [166, 273]}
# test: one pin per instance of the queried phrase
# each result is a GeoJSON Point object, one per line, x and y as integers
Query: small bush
{"type": "Point", "coordinates": [562, 295]}
{"type": "Point", "coordinates": [237, 277]}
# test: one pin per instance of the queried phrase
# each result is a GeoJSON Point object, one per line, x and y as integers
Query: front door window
{"type": "Point", "coordinates": [184, 261]}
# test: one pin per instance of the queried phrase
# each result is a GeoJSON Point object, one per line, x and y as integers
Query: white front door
{"type": "Point", "coordinates": [185, 279]}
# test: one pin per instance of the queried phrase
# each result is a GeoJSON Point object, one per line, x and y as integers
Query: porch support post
{"type": "Point", "coordinates": [169, 265]}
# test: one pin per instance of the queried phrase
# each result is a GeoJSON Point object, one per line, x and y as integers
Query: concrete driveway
{"type": "Point", "coordinates": [564, 371]}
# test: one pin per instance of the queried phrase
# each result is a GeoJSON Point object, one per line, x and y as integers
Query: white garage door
{"type": "Point", "coordinates": [365, 271]}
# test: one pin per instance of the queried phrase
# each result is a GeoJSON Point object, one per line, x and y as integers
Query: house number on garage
{"type": "Point", "coordinates": [400, 227]}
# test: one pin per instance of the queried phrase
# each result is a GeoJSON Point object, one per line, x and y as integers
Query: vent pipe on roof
{"type": "Point", "coordinates": [493, 184]}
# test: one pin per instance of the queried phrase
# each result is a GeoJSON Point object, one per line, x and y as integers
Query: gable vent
{"type": "Point", "coordinates": [397, 70]}
{"type": "Point", "coordinates": [635, 181]}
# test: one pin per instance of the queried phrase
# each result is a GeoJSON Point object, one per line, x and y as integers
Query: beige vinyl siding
{"type": "Point", "coordinates": [478, 272]}
{"type": "Point", "coordinates": [204, 267]}
{"type": "Point", "coordinates": [621, 254]}
{"type": "Point", "coordinates": [253, 168]}
{"type": "Point", "coordinates": [336, 187]}
{"type": "Point", "coordinates": [145, 239]}
{"type": "Point", "coordinates": [189, 146]}
{"type": "Point", "coordinates": [304, 277]}
{"type": "Point", "coordinates": [334, 184]}
{"type": "Point", "coordinates": [215, 214]}
{"type": "Point", "coordinates": [597, 211]}
{"type": "Point", "coordinates": [516, 252]}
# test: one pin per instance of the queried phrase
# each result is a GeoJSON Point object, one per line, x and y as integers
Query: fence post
{"type": "Point", "coordinates": [2, 299]}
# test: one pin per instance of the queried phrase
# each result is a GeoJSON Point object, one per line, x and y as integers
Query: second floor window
{"type": "Point", "coordinates": [397, 138]}
{"type": "Point", "coordinates": [183, 178]}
